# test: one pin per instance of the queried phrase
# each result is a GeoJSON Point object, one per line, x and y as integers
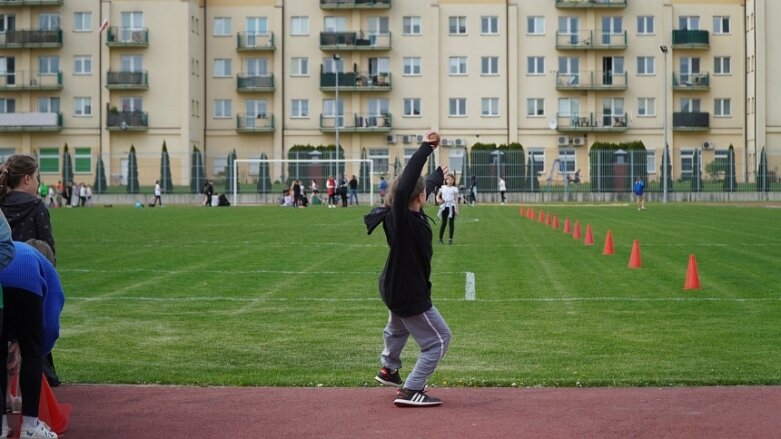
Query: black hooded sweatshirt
{"type": "Point", "coordinates": [404, 283]}
{"type": "Point", "coordinates": [28, 217]}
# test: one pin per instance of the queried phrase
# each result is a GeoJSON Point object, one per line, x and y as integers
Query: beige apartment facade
{"type": "Point", "coordinates": [258, 77]}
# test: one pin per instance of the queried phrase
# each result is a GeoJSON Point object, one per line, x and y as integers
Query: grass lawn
{"type": "Point", "coordinates": [288, 297]}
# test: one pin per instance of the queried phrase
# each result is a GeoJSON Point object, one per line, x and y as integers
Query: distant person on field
{"type": "Point", "coordinates": [353, 184]}
{"type": "Point", "coordinates": [502, 189]}
{"type": "Point", "coordinates": [447, 197]}
{"type": "Point", "coordinates": [639, 189]}
{"type": "Point", "coordinates": [343, 190]}
{"type": "Point", "coordinates": [330, 188]}
{"type": "Point", "coordinates": [405, 285]}
{"type": "Point", "coordinates": [383, 187]}
{"type": "Point", "coordinates": [158, 194]}
{"type": "Point", "coordinates": [473, 191]}
{"type": "Point", "coordinates": [208, 192]}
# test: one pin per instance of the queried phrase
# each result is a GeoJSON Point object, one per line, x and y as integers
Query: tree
{"type": "Point", "coordinates": [67, 165]}
{"type": "Point", "coordinates": [730, 182]}
{"type": "Point", "coordinates": [696, 181]}
{"type": "Point", "coordinates": [132, 171]}
{"type": "Point", "coordinates": [197, 171]}
{"type": "Point", "coordinates": [100, 177]}
{"type": "Point", "coordinates": [364, 184]}
{"type": "Point", "coordinates": [264, 180]}
{"type": "Point", "coordinates": [763, 179]}
{"type": "Point", "coordinates": [230, 177]}
{"type": "Point", "coordinates": [165, 171]}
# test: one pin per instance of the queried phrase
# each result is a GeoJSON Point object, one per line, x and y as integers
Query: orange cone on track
{"type": "Point", "coordinates": [530, 213]}
{"type": "Point", "coordinates": [541, 217]}
{"type": "Point", "coordinates": [556, 222]}
{"type": "Point", "coordinates": [634, 259]}
{"type": "Point", "coordinates": [56, 415]}
{"type": "Point", "coordinates": [589, 236]}
{"type": "Point", "coordinates": [547, 219]}
{"type": "Point", "coordinates": [523, 211]}
{"type": "Point", "coordinates": [576, 232]}
{"type": "Point", "coordinates": [567, 228]}
{"type": "Point", "coordinates": [608, 250]}
{"type": "Point", "coordinates": [692, 276]}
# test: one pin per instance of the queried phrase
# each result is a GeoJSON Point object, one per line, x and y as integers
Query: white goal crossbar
{"type": "Point", "coordinates": [369, 162]}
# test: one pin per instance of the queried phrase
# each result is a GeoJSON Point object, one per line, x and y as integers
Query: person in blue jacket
{"type": "Point", "coordinates": [639, 190]}
{"type": "Point", "coordinates": [33, 297]}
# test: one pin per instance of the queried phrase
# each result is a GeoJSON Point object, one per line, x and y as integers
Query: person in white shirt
{"type": "Point", "coordinates": [447, 197]}
{"type": "Point", "coordinates": [502, 188]}
{"type": "Point", "coordinates": [158, 194]}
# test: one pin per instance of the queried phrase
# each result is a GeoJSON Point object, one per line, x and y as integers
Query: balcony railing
{"type": "Point", "coordinates": [30, 122]}
{"type": "Point", "coordinates": [260, 123]}
{"type": "Point", "coordinates": [29, 39]}
{"type": "Point", "coordinates": [685, 121]}
{"type": "Point", "coordinates": [355, 4]}
{"type": "Point", "coordinates": [127, 80]}
{"type": "Point", "coordinates": [357, 123]}
{"type": "Point", "coordinates": [691, 39]}
{"type": "Point", "coordinates": [127, 121]}
{"type": "Point", "coordinates": [354, 41]}
{"type": "Point", "coordinates": [127, 37]}
{"type": "Point", "coordinates": [356, 81]}
{"type": "Point", "coordinates": [250, 42]}
{"type": "Point", "coordinates": [589, 122]}
{"type": "Point", "coordinates": [246, 82]}
{"type": "Point", "coordinates": [32, 3]}
{"type": "Point", "coordinates": [593, 4]}
{"type": "Point", "coordinates": [589, 39]}
{"type": "Point", "coordinates": [591, 81]}
{"type": "Point", "coordinates": [691, 81]}
{"type": "Point", "coordinates": [30, 80]}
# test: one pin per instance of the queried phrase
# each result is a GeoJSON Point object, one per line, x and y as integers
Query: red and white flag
{"type": "Point", "coordinates": [103, 25]}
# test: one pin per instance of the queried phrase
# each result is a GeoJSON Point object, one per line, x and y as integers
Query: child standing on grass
{"type": "Point", "coordinates": [447, 197]}
{"type": "Point", "coordinates": [405, 287]}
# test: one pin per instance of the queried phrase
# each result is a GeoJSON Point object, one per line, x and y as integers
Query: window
{"type": "Point", "coordinates": [256, 66]}
{"type": "Point", "coordinates": [489, 25]}
{"type": "Point", "coordinates": [132, 21]}
{"type": "Point", "coordinates": [457, 107]}
{"type": "Point", "coordinates": [335, 24]}
{"type": "Point", "coordinates": [612, 26]}
{"type": "Point", "coordinates": [535, 107]}
{"type": "Point", "coordinates": [613, 114]}
{"type": "Point", "coordinates": [412, 107]}
{"type": "Point", "coordinates": [222, 68]}
{"type": "Point", "coordinates": [721, 25]}
{"type": "Point", "coordinates": [536, 158]}
{"type": "Point", "coordinates": [570, 107]}
{"type": "Point", "coordinates": [411, 66]}
{"type": "Point", "coordinates": [299, 108]}
{"type": "Point", "coordinates": [7, 105]}
{"type": "Point", "coordinates": [132, 103]}
{"type": "Point", "coordinates": [722, 107]}
{"type": "Point", "coordinates": [49, 160]}
{"type": "Point", "coordinates": [82, 65]}
{"type": "Point", "coordinates": [569, 67]}
{"type": "Point", "coordinates": [82, 160]}
{"type": "Point", "coordinates": [457, 65]}
{"type": "Point", "coordinates": [457, 25]}
{"type": "Point", "coordinates": [690, 69]}
{"type": "Point", "coordinates": [381, 159]}
{"type": "Point", "coordinates": [82, 21]}
{"type": "Point", "coordinates": [223, 108]}
{"type": "Point", "coordinates": [722, 65]}
{"type": "Point", "coordinates": [378, 26]}
{"type": "Point", "coordinates": [131, 63]}
{"type": "Point", "coordinates": [49, 105]}
{"type": "Point", "coordinates": [49, 21]}
{"type": "Point", "coordinates": [567, 160]}
{"type": "Point", "coordinates": [489, 65]}
{"type": "Point", "coordinates": [689, 105]}
{"type": "Point", "coordinates": [257, 26]}
{"type": "Point", "coordinates": [646, 107]}
{"type": "Point", "coordinates": [299, 66]}
{"type": "Point", "coordinates": [299, 25]}
{"type": "Point", "coordinates": [688, 22]}
{"type": "Point", "coordinates": [645, 25]}
{"type": "Point", "coordinates": [378, 106]}
{"type": "Point", "coordinates": [48, 65]}
{"type": "Point", "coordinates": [535, 25]}
{"type": "Point", "coordinates": [490, 107]}
{"type": "Point", "coordinates": [650, 162]}
{"type": "Point", "coordinates": [82, 106]}
{"type": "Point", "coordinates": [535, 65]}
{"type": "Point", "coordinates": [687, 162]}
{"type": "Point", "coordinates": [222, 27]}
{"type": "Point", "coordinates": [411, 25]}
{"type": "Point", "coordinates": [646, 65]}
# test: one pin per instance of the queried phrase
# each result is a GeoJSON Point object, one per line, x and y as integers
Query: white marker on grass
{"type": "Point", "coordinates": [470, 286]}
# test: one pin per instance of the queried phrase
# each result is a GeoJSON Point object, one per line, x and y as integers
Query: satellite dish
{"type": "Point", "coordinates": [553, 124]}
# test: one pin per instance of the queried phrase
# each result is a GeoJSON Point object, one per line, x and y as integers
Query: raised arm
{"type": "Point", "coordinates": [409, 178]}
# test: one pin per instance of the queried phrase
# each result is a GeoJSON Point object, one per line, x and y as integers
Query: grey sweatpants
{"type": "Point", "coordinates": [432, 335]}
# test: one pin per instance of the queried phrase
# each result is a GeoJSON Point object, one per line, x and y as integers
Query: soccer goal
{"type": "Point", "coordinates": [254, 176]}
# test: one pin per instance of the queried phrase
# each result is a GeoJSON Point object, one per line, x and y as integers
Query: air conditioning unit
{"type": "Point", "coordinates": [445, 142]}
{"type": "Point", "coordinates": [420, 138]}
{"type": "Point", "coordinates": [707, 145]}
{"type": "Point", "coordinates": [390, 138]}
{"type": "Point", "coordinates": [563, 140]}
{"type": "Point", "coordinates": [406, 139]}
{"type": "Point", "coordinates": [578, 141]}
{"type": "Point", "coordinates": [459, 142]}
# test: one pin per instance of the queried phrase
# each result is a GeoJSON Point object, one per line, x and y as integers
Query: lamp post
{"type": "Point", "coordinates": [337, 58]}
{"type": "Point", "coordinates": [665, 153]}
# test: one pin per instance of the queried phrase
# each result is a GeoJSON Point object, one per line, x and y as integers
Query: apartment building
{"type": "Point", "coordinates": [261, 76]}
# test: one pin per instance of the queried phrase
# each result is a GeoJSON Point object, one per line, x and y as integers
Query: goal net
{"type": "Point", "coordinates": [262, 181]}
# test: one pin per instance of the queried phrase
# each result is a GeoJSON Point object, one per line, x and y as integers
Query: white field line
{"type": "Point", "coordinates": [231, 272]}
{"type": "Point", "coordinates": [375, 298]}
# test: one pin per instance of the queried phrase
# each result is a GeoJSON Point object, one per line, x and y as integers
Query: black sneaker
{"type": "Point", "coordinates": [389, 377]}
{"type": "Point", "coordinates": [414, 398]}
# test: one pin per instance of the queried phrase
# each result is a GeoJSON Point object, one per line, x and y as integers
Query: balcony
{"type": "Point", "coordinates": [589, 122]}
{"type": "Point", "coordinates": [355, 4]}
{"type": "Point", "coordinates": [31, 39]}
{"type": "Point", "coordinates": [347, 41]}
{"type": "Point", "coordinates": [255, 42]}
{"type": "Point", "coordinates": [691, 81]}
{"type": "Point", "coordinates": [261, 123]}
{"type": "Point", "coordinates": [127, 80]}
{"type": "Point", "coordinates": [691, 39]}
{"type": "Point", "coordinates": [127, 120]}
{"type": "Point", "coordinates": [356, 81]}
{"type": "Point", "coordinates": [247, 83]}
{"type": "Point", "coordinates": [591, 4]}
{"type": "Point", "coordinates": [357, 123]}
{"type": "Point", "coordinates": [30, 122]}
{"type": "Point", "coordinates": [32, 3]}
{"type": "Point", "coordinates": [695, 121]}
{"type": "Point", "coordinates": [591, 81]}
{"type": "Point", "coordinates": [127, 37]}
{"type": "Point", "coordinates": [591, 40]}
{"type": "Point", "coordinates": [24, 80]}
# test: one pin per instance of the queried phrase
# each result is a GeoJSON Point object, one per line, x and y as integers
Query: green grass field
{"type": "Point", "coordinates": [288, 297]}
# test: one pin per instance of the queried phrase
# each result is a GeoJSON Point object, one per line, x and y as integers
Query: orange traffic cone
{"type": "Point", "coordinates": [547, 219]}
{"type": "Point", "coordinates": [541, 217]}
{"type": "Point", "coordinates": [567, 228]}
{"type": "Point", "coordinates": [56, 415]}
{"type": "Point", "coordinates": [608, 250]}
{"type": "Point", "coordinates": [530, 213]}
{"type": "Point", "coordinates": [589, 236]}
{"type": "Point", "coordinates": [556, 222]}
{"type": "Point", "coordinates": [576, 232]}
{"type": "Point", "coordinates": [692, 276]}
{"type": "Point", "coordinates": [523, 211]}
{"type": "Point", "coordinates": [634, 259]}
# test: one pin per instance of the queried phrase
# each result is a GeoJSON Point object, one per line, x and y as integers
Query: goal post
{"type": "Point", "coordinates": [256, 171]}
